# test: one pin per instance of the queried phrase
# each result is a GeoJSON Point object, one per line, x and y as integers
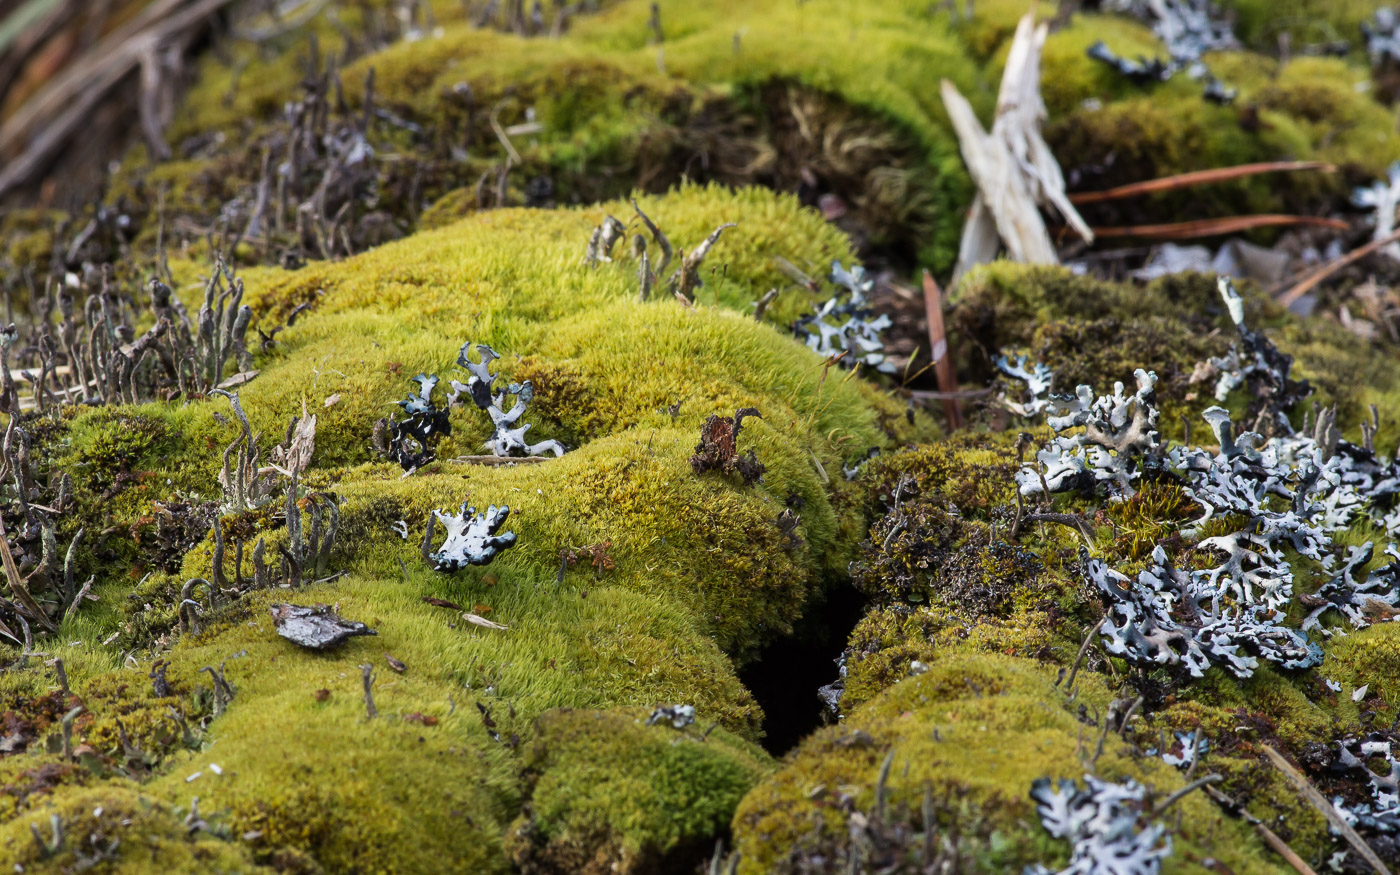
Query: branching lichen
{"type": "Point", "coordinates": [508, 438]}
{"type": "Point", "coordinates": [471, 538]}
{"type": "Point", "coordinates": [1107, 824]}
{"type": "Point", "coordinates": [845, 325]}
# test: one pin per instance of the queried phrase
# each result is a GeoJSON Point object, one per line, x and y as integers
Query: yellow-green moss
{"type": "Point", "coordinates": [609, 794]}
{"type": "Point", "coordinates": [700, 565]}
{"type": "Point", "coordinates": [143, 826]}
{"type": "Point", "coordinates": [977, 729]}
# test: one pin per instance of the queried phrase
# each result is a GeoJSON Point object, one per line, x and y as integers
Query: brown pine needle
{"type": "Point", "coordinates": [1325, 808]}
{"type": "Point", "coordinates": [1215, 227]}
{"type": "Point", "coordinates": [940, 352]}
{"type": "Point", "coordinates": [1198, 177]}
{"type": "Point", "coordinates": [1311, 281]}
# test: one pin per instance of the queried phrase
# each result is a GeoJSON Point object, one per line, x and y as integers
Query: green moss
{"type": "Point", "coordinates": [700, 568]}
{"type": "Point", "coordinates": [133, 825]}
{"type": "Point", "coordinates": [1368, 657]}
{"type": "Point", "coordinates": [609, 794]}
{"type": "Point", "coordinates": [1308, 21]}
{"type": "Point", "coordinates": [616, 111]}
{"type": "Point", "coordinates": [976, 728]}
{"type": "Point", "coordinates": [1097, 333]}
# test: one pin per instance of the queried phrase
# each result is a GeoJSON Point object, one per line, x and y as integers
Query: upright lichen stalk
{"type": "Point", "coordinates": [507, 439]}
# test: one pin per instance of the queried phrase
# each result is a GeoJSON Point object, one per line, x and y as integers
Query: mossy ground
{"type": "Point", "coordinates": [525, 748]}
{"type": "Point", "coordinates": [701, 573]}
{"type": "Point", "coordinates": [747, 93]}
{"type": "Point", "coordinates": [961, 604]}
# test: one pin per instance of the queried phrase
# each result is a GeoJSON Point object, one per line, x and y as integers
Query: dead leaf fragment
{"type": "Point", "coordinates": [317, 627]}
{"type": "Point", "coordinates": [481, 621]}
{"type": "Point", "coordinates": [442, 603]}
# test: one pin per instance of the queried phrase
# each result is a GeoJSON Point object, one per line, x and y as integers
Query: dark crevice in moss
{"type": "Point", "coordinates": [785, 675]}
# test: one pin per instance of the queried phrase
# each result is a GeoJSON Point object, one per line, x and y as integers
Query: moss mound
{"type": "Point", "coordinates": [675, 790]}
{"type": "Point", "coordinates": [690, 571]}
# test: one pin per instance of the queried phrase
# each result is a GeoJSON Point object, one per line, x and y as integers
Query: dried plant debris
{"type": "Point", "coordinates": [508, 438]}
{"type": "Point", "coordinates": [245, 482]}
{"type": "Point", "coordinates": [718, 449]}
{"type": "Point", "coordinates": [845, 325]}
{"type": "Point", "coordinates": [1382, 198]}
{"type": "Point", "coordinates": [683, 282]}
{"type": "Point", "coordinates": [677, 716]}
{"type": "Point", "coordinates": [1107, 824]}
{"type": "Point", "coordinates": [39, 575]}
{"type": "Point", "coordinates": [686, 281]}
{"type": "Point", "coordinates": [1188, 28]}
{"type": "Point", "coordinates": [471, 538]}
{"type": "Point", "coordinates": [317, 627]}
{"type": "Point", "coordinates": [95, 354]}
{"type": "Point", "coordinates": [602, 241]}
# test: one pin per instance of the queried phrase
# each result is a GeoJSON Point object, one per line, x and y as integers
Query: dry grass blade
{"type": "Point", "coordinates": [1197, 177]}
{"type": "Point", "coordinates": [1311, 281]}
{"type": "Point", "coordinates": [478, 620]}
{"type": "Point", "coordinates": [1216, 227]}
{"type": "Point", "coordinates": [17, 586]}
{"type": "Point", "coordinates": [1011, 164]}
{"type": "Point", "coordinates": [1325, 808]}
{"type": "Point", "coordinates": [938, 347]}
{"type": "Point", "coordinates": [65, 105]}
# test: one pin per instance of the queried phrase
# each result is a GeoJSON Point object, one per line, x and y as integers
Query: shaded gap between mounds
{"type": "Point", "coordinates": [787, 672]}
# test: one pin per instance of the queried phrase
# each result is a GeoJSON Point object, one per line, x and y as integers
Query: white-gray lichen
{"type": "Point", "coordinates": [1117, 432]}
{"type": "Point", "coordinates": [677, 716]}
{"type": "Point", "coordinates": [845, 325]}
{"type": "Point", "coordinates": [1287, 496]}
{"type": "Point", "coordinates": [471, 537]}
{"type": "Point", "coordinates": [1036, 377]}
{"type": "Point", "coordinates": [508, 437]}
{"type": "Point", "coordinates": [1188, 29]}
{"type": "Point", "coordinates": [1106, 824]}
{"type": "Point", "coordinates": [1383, 196]}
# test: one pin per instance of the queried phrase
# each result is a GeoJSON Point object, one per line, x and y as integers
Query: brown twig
{"type": "Point", "coordinates": [1311, 281]}
{"type": "Point", "coordinates": [940, 353]}
{"type": "Point", "coordinates": [1184, 791]}
{"type": "Point", "coordinates": [495, 461]}
{"type": "Point", "coordinates": [1198, 177]}
{"type": "Point", "coordinates": [1324, 807]}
